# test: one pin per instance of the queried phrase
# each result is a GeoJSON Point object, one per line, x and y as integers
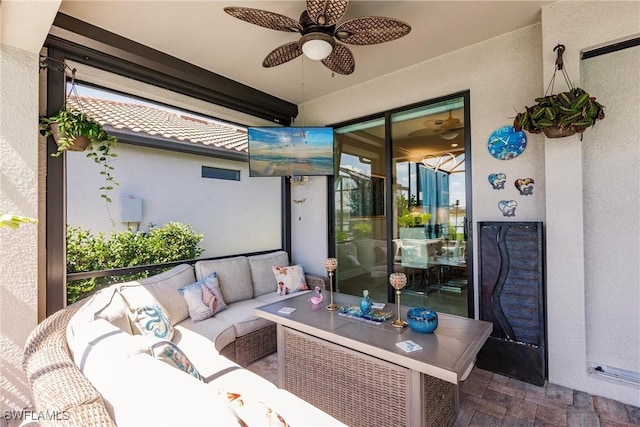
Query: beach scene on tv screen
{"type": "Point", "coordinates": [290, 151]}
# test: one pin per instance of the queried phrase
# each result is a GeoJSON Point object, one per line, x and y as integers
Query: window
{"type": "Point", "coordinates": [219, 173]}
{"type": "Point", "coordinates": [160, 152]}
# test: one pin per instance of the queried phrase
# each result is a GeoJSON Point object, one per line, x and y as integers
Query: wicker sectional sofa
{"type": "Point", "coordinates": [87, 364]}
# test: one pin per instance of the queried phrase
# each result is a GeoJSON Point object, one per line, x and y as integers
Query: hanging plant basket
{"type": "Point", "coordinates": [78, 143]}
{"type": "Point", "coordinates": [74, 130]}
{"type": "Point", "coordinates": [563, 114]}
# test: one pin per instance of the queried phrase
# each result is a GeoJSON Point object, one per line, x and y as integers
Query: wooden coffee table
{"type": "Point", "coordinates": [354, 371]}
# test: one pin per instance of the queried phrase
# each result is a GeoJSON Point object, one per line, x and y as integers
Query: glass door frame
{"type": "Point", "coordinates": [389, 192]}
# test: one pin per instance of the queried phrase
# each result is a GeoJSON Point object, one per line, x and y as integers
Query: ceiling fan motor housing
{"type": "Point", "coordinates": [317, 41]}
{"type": "Point", "coordinates": [308, 26]}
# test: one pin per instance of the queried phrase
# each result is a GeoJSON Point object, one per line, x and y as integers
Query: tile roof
{"type": "Point", "coordinates": [157, 123]}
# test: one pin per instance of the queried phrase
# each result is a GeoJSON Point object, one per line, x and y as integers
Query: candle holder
{"type": "Point", "coordinates": [331, 264]}
{"type": "Point", "coordinates": [398, 281]}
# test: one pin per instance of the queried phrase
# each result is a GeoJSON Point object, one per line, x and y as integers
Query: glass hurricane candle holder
{"type": "Point", "coordinates": [330, 264]}
{"type": "Point", "coordinates": [398, 281]}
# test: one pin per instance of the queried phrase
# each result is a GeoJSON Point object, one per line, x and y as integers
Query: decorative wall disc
{"type": "Point", "coordinates": [497, 180]}
{"type": "Point", "coordinates": [506, 143]}
{"type": "Point", "coordinates": [524, 186]}
{"type": "Point", "coordinates": [508, 207]}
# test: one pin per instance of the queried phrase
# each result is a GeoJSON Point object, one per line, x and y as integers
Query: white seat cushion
{"type": "Point", "coordinates": [217, 332]}
{"type": "Point", "coordinates": [298, 412]}
{"type": "Point", "coordinates": [149, 392]}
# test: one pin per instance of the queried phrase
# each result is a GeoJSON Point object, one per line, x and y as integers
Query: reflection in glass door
{"type": "Point", "coordinates": [360, 219]}
{"type": "Point", "coordinates": [429, 205]}
{"type": "Point", "coordinates": [413, 221]}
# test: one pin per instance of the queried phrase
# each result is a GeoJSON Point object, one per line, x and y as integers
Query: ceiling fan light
{"type": "Point", "coordinates": [448, 135]}
{"type": "Point", "coordinates": [317, 46]}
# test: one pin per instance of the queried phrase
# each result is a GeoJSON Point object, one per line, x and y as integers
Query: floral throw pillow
{"type": "Point", "coordinates": [252, 413]}
{"type": "Point", "coordinates": [151, 320]}
{"type": "Point", "coordinates": [168, 352]}
{"type": "Point", "coordinates": [203, 298]}
{"type": "Point", "coordinates": [290, 279]}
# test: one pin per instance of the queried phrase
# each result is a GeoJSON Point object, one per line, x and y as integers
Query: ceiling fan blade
{"type": "Point", "coordinates": [264, 18]}
{"type": "Point", "coordinates": [371, 30]}
{"type": "Point", "coordinates": [282, 54]}
{"type": "Point", "coordinates": [452, 126]}
{"type": "Point", "coordinates": [423, 132]}
{"type": "Point", "coordinates": [340, 61]}
{"type": "Point", "coordinates": [326, 12]}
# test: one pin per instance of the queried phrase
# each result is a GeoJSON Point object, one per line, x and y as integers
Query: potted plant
{"type": "Point", "coordinates": [73, 130]}
{"type": "Point", "coordinates": [561, 115]}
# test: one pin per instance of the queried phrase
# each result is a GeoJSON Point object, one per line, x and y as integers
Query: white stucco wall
{"type": "Point", "coordinates": [18, 195]}
{"type": "Point", "coordinates": [611, 236]}
{"type": "Point", "coordinates": [23, 27]}
{"type": "Point", "coordinates": [611, 179]}
{"type": "Point", "coordinates": [309, 225]}
{"type": "Point", "coordinates": [507, 81]}
{"type": "Point", "coordinates": [234, 216]}
{"type": "Point", "coordinates": [601, 23]}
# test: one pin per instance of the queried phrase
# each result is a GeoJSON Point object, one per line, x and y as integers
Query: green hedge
{"type": "Point", "coordinates": [85, 252]}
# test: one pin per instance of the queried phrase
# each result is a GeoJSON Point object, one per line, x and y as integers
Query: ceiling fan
{"type": "Point", "coordinates": [320, 33]}
{"type": "Point", "coordinates": [445, 128]}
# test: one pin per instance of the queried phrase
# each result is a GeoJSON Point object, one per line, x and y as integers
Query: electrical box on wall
{"type": "Point", "coordinates": [131, 209]}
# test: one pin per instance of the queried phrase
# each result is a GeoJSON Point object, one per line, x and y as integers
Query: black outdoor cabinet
{"type": "Point", "coordinates": [512, 297]}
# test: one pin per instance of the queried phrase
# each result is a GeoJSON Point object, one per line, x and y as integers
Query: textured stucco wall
{"type": "Point", "coordinates": [18, 195]}
{"type": "Point", "coordinates": [611, 178]}
{"type": "Point", "coordinates": [23, 27]}
{"type": "Point", "coordinates": [601, 23]}
{"type": "Point", "coordinates": [500, 78]}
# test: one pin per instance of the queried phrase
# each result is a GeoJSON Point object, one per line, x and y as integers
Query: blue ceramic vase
{"type": "Point", "coordinates": [365, 304]}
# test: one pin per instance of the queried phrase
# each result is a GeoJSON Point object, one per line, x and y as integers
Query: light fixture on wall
{"type": "Point", "coordinates": [317, 45]}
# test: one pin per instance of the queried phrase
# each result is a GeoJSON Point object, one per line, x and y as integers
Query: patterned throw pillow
{"type": "Point", "coordinates": [151, 320]}
{"type": "Point", "coordinates": [290, 279]}
{"type": "Point", "coordinates": [251, 413]}
{"type": "Point", "coordinates": [204, 298]}
{"type": "Point", "coordinates": [168, 352]}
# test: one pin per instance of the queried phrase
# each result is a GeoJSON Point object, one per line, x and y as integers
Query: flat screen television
{"type": "Point", "coordinates": [290, 151]}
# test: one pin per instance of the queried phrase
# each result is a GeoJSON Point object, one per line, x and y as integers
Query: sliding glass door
{"type": "Point", "coordinates": [401, 204]}
{"type": "Point", "coordinates": [429, 205]}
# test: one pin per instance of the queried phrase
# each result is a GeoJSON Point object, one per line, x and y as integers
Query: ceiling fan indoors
{"type": "Point", "coordinates": [445, 128]}
{"type": "Point", "coordinates": [321, 33]}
